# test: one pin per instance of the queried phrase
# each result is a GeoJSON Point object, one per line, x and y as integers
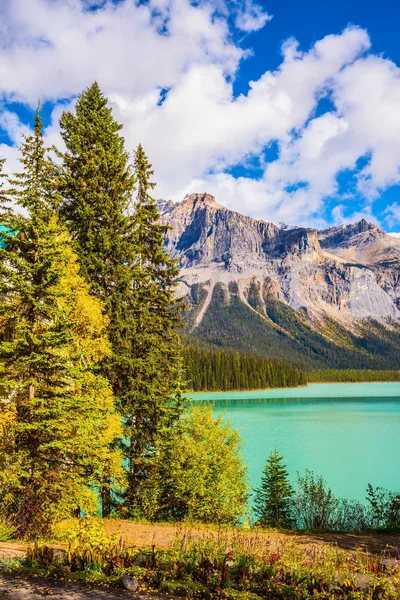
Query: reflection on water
{"type": "Point", "coordinates": [315, 390]}
{"type": "Point", "coordinates": [295, 401]}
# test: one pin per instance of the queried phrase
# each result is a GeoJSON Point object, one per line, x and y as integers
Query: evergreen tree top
{"type": "Point", "coordinates": [97, 185]}
{"type": "Point", "coordinates": [92, 125]}
{"type": "Point", "coordinates": [35, 187]}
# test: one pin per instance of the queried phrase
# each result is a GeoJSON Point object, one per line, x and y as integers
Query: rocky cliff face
{"type": "Point", "coordinates": [344, 274]}
{"type": "Point", "coordinates": [361, 243]}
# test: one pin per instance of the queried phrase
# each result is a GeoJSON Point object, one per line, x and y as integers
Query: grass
{"type": "Point", "coordinates": [7, 532]}
{"type": "Point", "coordinates": [164, 536]}
{"type": "Point", "coordinates": [231, 564]}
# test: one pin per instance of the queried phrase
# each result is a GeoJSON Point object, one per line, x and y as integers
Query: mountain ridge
{"type": "Point", "coordinates": [329, 284]}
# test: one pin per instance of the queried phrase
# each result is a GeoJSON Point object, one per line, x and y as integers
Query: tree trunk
{"type": "Point", "coordinates": [106, 500]}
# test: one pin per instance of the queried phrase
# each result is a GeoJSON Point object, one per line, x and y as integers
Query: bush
{"type": "Point", "coordinates": [385, 508]}
{"type": "Point", "coordinates": [315, 504]}
{"type": "Point", "coordinates": [350, 515]}
{"type": "Point", "coordinates": [198, 473]}
{"type": "Point", "coordinates": [7, 531]}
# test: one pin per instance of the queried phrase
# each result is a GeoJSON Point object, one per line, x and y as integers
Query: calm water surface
{"type": "Point", "coordinates": [349, 433]}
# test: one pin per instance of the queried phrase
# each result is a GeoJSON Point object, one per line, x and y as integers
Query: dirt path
{"type": "Point", "coordinates": [141, 535]}
{"type": "Point", "coordinates": [22, 588]}
{"type": "Point", "coordinates": [11, 550]}
{"type": "Point", "coordinates": [164, 536]}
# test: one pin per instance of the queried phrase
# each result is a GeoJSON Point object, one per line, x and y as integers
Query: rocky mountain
{"type": "Point", "coordinates": [327, 297]}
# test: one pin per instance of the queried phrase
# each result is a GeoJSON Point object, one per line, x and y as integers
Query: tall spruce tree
{"type": "Point", "coordinates": [273, 499]}
{"type": "Point", "coordinates": [61, 422]}
{"type": "Point", "coordinates": [123, 258]}
{"type": "Point", "coordinates": [97, 185]}
{"type": "Point", "coordinates": [155, 399]}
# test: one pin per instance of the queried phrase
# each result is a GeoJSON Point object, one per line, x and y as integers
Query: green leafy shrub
{"type": "Point", "coordinates": [89, 533]}
{"type": "Point", "coordinates": [7, 531]}
{"type": "Point", "coordinates": [198, 473]}
{"type": "Point", "coordinates": [315, 504]}
{"type": "Point", "coordinates": [385, 508]}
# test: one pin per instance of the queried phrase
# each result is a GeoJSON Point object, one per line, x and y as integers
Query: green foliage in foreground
{"type": "Point", "coordinates": [314, 507]}
{"type": "Point", "coordinates": [7, 531]}
{"type": "Point", "coordinates": [224, 566]}
{"type": "Point", "coordinates": [198, 473]}
{"type": "Point", "coordinates": [351, 375]}
{"type": "Point", "coordinates": [211, 369]}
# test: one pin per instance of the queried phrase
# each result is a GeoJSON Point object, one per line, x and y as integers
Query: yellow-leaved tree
{"type": "Point", "coordinates": [198, 473]}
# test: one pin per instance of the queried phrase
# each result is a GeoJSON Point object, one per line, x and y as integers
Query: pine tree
{"type": "Point", "coordinates": [123, 258]}
{"type": "Point", "coordinates": [273, 499]}
{"type": "Point", "coordinates": [97, 188]}
{"type": "Point", "coordinates": [154, 399]}
{"type": "Point", "coordinates": [61, 418]}
{"type": "Point", "coordinates": [3, 178]}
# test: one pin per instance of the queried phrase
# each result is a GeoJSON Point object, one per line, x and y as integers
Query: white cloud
{"type": "Point", "coordinates": [251, 17]}
{"type": "Point", "coordinates": [11, 124]}
{"type": "Point", "coordinates": [52, 49]}
{"type": "Point", "coordinates": [201, 129]}
{"type": "Point", "coordinates": [392, 214]}
{"type": "Point", "coordinates": [55, 48]}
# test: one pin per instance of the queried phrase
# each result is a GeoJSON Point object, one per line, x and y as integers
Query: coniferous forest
{"type": "Point", "coordinates": [208, 368]}
{"type": "Point", "coordinates": [212, 369]}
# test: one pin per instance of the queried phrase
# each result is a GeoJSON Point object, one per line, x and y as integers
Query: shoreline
{"type": "Point", "coordinates": [297, 387]}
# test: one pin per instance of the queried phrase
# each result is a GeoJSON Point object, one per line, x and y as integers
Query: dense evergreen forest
{"type": "Point", "coordinates": [212, 369]}
{"type": "Point", "coordinates": [351, 375]}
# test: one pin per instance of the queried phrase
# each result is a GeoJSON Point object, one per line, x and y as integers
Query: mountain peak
{"type": "Point", "coordinates": [363, 226]}
{"type": "Point", "coordinates": [201, 199]}
{"type": "Point", "coordinates": [356, 233]}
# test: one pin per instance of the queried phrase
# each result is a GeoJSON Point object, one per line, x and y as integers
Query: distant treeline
{"type": "Point", "coordinates": [351, 375]}
{"type": "Point", "coordinates": [212, 369]}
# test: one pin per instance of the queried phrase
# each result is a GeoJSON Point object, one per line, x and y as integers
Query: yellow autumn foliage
{"type": "Point", "coordinates": [89, 321]}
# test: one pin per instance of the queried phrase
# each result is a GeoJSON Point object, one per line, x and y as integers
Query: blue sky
{"type": "Point", "coordinates": [283, 110]}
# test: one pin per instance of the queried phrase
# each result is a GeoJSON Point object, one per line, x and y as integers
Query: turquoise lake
{"type": "Point", "coordinates": [349, 433]}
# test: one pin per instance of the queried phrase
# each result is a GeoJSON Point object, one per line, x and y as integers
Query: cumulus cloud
{"type": "Point", "coordinates": [251, 17]}
{"type": "Point", "coordinates": [392, 214]}
{"type": "Point", "coordinates": [168, 67]}
{"type": "Point", "coordinates": [201, 129]}
{"type": "Point", "coordinates": [55, 48]}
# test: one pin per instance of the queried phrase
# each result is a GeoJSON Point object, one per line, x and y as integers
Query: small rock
{"type": "Point", "coordinates": [128, 583]}
{"type": "Point", "coordinates": [391, 563]}
{"type": "Point", "coordinates": [363, 581]}
{"type": "Point", "coordinates": [58, 555]}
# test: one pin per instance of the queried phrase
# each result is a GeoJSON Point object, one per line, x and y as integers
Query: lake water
{"type": "Point", "coordinates": [349, 433]}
